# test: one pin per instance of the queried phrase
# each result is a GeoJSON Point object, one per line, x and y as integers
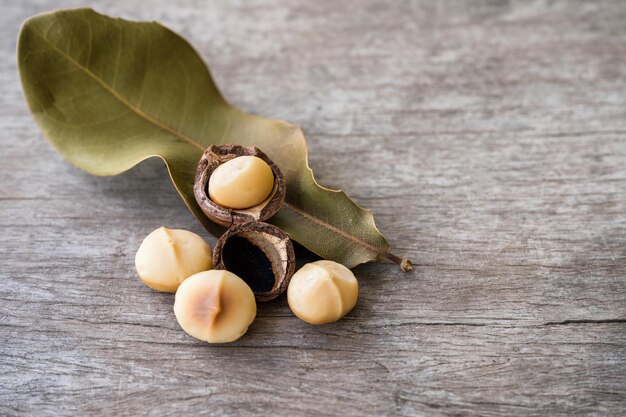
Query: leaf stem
{"type": "Point", "coordinates": [405, 263]}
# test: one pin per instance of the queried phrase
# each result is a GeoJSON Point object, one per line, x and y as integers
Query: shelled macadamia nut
{"type": "Point", "coordinates": [167, 257]}
{"type": "Point", "coordinates": [241, 183]}
{"type": "Point", "coordinates": [215, 306]}
{"type": "Point", "coordinates": [322, 292]}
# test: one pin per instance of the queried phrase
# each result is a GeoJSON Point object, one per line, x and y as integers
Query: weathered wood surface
{"type": "Point", "coordinates": [489, 138]}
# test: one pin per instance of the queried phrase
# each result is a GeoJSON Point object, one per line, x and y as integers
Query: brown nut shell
{"type": "Point", "coordinates": [214, 156]}
{"type": "Point", "coordinates": [260, 254]}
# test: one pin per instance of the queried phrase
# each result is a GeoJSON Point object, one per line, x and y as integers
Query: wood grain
{"type": "Point", "coordinates": [489, 139]}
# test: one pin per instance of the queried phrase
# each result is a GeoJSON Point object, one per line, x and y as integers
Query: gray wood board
{"type": "Point", "coordinates": [488, 138]}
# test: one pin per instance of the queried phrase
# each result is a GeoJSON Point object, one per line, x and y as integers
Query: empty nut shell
{"type": "Point", "coordinates": [260, 254]}
{"type": "Point", "coordinates": [213, 157]}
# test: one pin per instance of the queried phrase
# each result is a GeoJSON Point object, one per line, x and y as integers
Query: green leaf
{"type": "Point", "coordinates": [109, 93]}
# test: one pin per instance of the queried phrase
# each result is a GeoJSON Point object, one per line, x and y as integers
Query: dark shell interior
{"type": "Point", "coordinates": [260, 254]}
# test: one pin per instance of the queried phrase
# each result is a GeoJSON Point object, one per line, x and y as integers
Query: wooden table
{"type": "Point", "coordinates": [489, 139]}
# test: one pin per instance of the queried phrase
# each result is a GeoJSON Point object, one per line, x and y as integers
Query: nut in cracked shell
{"type": "Point", "coordinates": [260, 254]}
{"type": "Point", "coordinates": [216, 155]}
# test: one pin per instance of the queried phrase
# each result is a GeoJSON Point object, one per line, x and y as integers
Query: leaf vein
{"type": "Point", "coordinates": [139, 112]}
{"type": "Point", "coordinates": [378, 251]}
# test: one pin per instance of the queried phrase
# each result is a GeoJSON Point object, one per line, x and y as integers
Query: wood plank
{"type": "Point", "coordinates": [488, 138]}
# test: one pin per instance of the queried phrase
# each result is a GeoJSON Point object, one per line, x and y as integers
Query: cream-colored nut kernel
{"type": "Point", "coordinates": [216, 306]}
{"type": "Point", "coordinates": [241, 183]}
{"type": "Point", "coordinates": [167, 257]}
{"type": "Point", "coordinates": [322, 292]}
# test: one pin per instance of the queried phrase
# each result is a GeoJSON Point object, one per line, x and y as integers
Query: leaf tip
{"type": "Point", "coordinates": [405, 263]}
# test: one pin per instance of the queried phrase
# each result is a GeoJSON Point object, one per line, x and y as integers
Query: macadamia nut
{"type": "Point", "coordinates": [167, 257]}
{"type": "Point", "coordinates": [241, 183]}
{"type": "Point", "coordinates": [216, 306]}
{"type": "Point", "coordinates": [322, 292]}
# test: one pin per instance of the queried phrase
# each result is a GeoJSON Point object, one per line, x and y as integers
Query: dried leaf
{"type": "Point", "coordinates": [109, 93]}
